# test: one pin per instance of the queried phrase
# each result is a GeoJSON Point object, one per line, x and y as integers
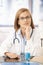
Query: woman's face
{"type": "Point", "coordinates": [24, 19]}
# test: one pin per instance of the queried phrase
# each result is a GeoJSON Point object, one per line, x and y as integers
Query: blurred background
{"type": "Point", "coordinates": [8, 9]}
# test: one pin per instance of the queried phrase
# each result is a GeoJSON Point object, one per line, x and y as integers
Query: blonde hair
{"type": "Point", "coordinates": [16, 25]}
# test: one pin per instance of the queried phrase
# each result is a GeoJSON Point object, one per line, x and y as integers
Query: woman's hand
{"type": "Point", "coordinates": [27, 32]}
{"type": "Point", "coordinates": [11, 55]}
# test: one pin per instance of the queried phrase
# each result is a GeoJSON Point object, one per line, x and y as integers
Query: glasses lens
{"type": "Point", "coordinates": [23, 18]}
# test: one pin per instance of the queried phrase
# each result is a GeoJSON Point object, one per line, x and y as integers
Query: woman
{"type": "Point", "coordinates": [24, 37]}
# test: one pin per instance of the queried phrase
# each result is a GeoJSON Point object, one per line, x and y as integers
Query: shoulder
{"type": "Point", "coordinates": [36, 30]}
{"type": "Point", "coordinates": [36, 33]}
{"type": "Point", "coordinates": [11, 33]}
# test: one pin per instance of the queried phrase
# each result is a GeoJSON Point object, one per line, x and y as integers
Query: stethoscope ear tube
{"type": "Point", "coordinates": [15, 39]}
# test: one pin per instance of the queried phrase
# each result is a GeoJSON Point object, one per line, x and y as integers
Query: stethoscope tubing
{"type": "Point", "coordinates": [15, 38]}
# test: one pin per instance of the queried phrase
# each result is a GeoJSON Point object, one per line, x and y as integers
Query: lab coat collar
{"type": "Point", "coordinates": [18, 32]}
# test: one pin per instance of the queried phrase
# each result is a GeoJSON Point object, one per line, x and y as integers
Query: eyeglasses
{"type": "Point", "coordinates": [23, 18]}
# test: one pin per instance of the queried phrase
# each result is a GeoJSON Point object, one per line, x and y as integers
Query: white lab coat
{"type": "Point", "coordinates": [31, 45]}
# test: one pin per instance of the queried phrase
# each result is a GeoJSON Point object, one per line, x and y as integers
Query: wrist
{"type": "Point", "coordinates": [28, 35]}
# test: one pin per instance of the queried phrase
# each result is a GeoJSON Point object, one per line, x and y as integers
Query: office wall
{"type": "Point", "coordinates": [4, 33]}
{"type": "Point", "coordinates": [8, 9]}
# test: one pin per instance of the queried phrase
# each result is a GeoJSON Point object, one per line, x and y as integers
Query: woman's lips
{"type": "Point", "coordinates": [26, 24]}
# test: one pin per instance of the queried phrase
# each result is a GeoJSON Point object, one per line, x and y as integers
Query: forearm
{"type": "Point", "coordinates": [11, 55]}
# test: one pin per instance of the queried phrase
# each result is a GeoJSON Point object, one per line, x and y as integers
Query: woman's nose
{"type": "Point", "coordinates": [25, 19]}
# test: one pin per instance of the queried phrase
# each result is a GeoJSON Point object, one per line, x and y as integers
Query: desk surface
{"type": "Point", "coordinates": [37, 59]}
{"type": "Point", "coordinates": [33, 61]}
{"type": "Point", "coordinates": [19, 63]}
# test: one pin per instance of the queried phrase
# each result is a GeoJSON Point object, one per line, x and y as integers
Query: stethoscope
{"type": "Point", "coordinates": [16, 39]}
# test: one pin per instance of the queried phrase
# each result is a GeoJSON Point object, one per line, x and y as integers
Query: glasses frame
{"type": "Point", "coordinates": [23, 18]}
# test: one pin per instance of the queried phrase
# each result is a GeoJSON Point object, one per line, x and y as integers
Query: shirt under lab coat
{"type": "Point", "coordinates": [24, 45]}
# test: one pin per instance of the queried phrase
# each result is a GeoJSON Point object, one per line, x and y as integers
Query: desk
{"type": "Point", "coordinates": [19, 63]}
{"type": "Point", "coordinates": [37, 59]}
{"type": "Point", "coordinates": [7, 61]}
